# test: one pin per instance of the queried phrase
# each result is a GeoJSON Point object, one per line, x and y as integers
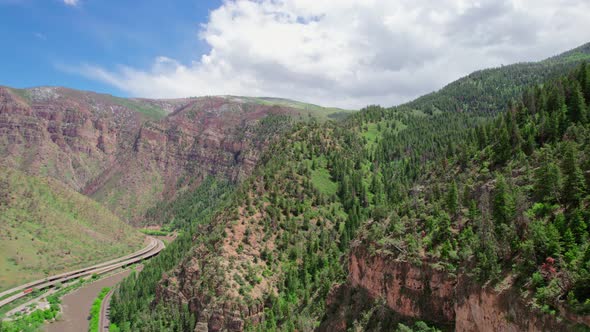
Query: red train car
{"type": "Point", "coordinates": [28, 290]}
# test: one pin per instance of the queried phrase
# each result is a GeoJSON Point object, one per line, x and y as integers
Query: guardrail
{"type": "Point", "coordinates": [151, 250]}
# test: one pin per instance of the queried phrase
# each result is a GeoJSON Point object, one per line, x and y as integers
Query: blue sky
{"type": "Point", "coordinates": [345, 53]}
{"type": "Point", "coordinates": [40, 37]}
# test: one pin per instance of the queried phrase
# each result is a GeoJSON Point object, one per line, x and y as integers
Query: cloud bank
{"type": "Point", "coordinates": [350, 53]}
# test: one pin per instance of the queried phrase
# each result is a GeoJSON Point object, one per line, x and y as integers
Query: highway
{"type": "Point", "coordinates": [152, 249]}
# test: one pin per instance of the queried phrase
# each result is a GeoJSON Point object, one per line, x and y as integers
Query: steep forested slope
{"type": "Point", "coordinates": [47, 228]}
{"type": "Point", "coordinates": [506, 208]}
{"type": "Point", "coordinates": [396, 215]}
{"type": "Point", "coordinates": [281, 240]}
{"type": "Point", "coordinates": [490, 90]}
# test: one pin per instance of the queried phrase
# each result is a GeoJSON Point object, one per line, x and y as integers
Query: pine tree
{"type": "Point", "coordinates": [584, 79]}
{"type": "Point", "coordinates": [529, 144]}
{"type": "Point", "coordinates": [576, 104]}
{"type": "Point", "coordinates": [578, 227]}
{"type": "Point", "coordinates": [503, 202]}
{"type": "Point", "coordinates": [547, 186]}
{"type": "Point", "coordinates": [378, 189]}
{"type": "Point", "coordinates": [562, 122]}
{"type": "Point", "coordinates": [502, 147]}
{"type": "Point", "coordinates": [482, 137]}
{"type": "Point", "coordinates": [513, 131]}
{"type": "Point", "coordinates": [453, 199]}
{"type": "Point", "coordinates": [574, 186]}
{"type": "Point", "coordinates": [569, 240]}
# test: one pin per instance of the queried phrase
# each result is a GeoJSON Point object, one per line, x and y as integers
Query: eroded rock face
{"type": "Point", "coordinates": [208, 136]}
{"type": "Point", "coordinates": [69, 135]}
{"type": "Point", "coordinates": [411, 291]}
{"type": "Point", "coordinates": [485, 312]}
{"type": "Point", "coordinates": [485, 309]}
{"type": "Point", "coordinates": [422, 293]}
{"type": "Point", "coordinates": [108, 149]}
{"type": "Point", "coordinates": [213, 135]}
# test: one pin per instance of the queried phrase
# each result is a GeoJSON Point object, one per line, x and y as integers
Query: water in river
{"type": "Point", "coordinates": [76, 305]}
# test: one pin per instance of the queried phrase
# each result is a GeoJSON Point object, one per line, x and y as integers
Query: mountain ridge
{"type": "Point", "coordinates": [490, 90]}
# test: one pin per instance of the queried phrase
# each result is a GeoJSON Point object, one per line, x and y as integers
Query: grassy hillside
{"type": "Point", "coordinates": [47, 228]}
{"type": "Point", "coordinates": [319, 112]}
{"type": "Point", "coordinates": [140, 106]}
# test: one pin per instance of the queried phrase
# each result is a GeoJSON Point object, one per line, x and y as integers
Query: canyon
{"type": "Point", "coordinates": [129, 154]}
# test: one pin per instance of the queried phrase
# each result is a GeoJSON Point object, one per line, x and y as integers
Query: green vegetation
{"type": "Point", "coordinates": [142, 107]}
{"type": "Point", "coordinates": [322, 113]}
{"type": "Point", "coordinates": [419, 326]}
{"type": "Point", "coordinates": [132, 200]}
{"type": "Point", "coordinates": [372, 132]}
{"type": "Point", "coordinates": [486, 194]}
{"type": "Point", "coordinates": [47, 228]}
{"type": "Point", "coordinates": [189, 206]}
{"type": "Point", "coordinates": [23, 93]}
{"type": "Point", "coordinates": [95, 310]}
{"type": "Point", "coordinates": [507, 197]}
{"type": "Point", "coordinates": [8, 307]}
{"type": "Point", "coordinates": [320, 177]}
{"type": "Point", "coordinates": [33, 321]}
{"type": "Point", "coordinates": [489, 91]}
{"type": "Point", "coordinates": [191, 214]}
{"type": "Point", "coordinates": [154, 232]}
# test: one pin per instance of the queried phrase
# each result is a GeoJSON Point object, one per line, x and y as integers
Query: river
{"type": "Point", "coordinates": [76, 305]}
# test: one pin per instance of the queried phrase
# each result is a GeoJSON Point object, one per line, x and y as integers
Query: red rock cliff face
{"type": "Point", "coordinates": [503, 309]}
{"type": "Point", "coordinates": [112, 150]}
{"type": "Point", "coordinates": [426, 294]}
{"type": "Point", "coordinates": [411, 291]}
{"type": "Point", "coordinates": [208, 136]}
{"type": "Point", "coordinates": [69, 135]}
{"type": "Point", "coordinates": [213, 135]}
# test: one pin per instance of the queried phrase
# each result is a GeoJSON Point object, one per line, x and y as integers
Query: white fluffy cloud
{"type": "Point", "coordinates": [71, 2]}
{"type": "Point", "coordinates": [350, 53]}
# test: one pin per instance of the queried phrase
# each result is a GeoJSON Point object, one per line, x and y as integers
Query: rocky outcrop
{"type": "Point", "coordinates": [409, 290]}
{"type": "Point", "coordinates": [213, 313]}
{"type": "Point", "coordinates": [500, 309]}
{"type": "Point", "coordinates": [423, 293]}
{"type": "Point", "coordinates": [485, 311]}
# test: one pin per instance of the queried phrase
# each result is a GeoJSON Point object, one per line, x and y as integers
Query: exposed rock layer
{"type": "Point", "coordinates": [422, 293]}
{"type": "Point", "coordinates": [131, 153]}
{"type": "Point", "coordinates": [411, 291]}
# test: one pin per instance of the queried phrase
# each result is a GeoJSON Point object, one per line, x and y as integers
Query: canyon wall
{"type": "Point", "coordinates": [129, 154]}
{"type": "Point", "coordinates": [412, 291]}
{"type": "Point", "coordinates": [423, 293]}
